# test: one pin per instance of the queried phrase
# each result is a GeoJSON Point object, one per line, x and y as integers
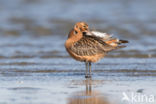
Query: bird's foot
{"type": "Point", "coordinates": [88, 76]}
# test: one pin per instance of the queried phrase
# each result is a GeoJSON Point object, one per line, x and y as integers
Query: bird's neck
{"type": "Point", "coordinates": [73, 38]}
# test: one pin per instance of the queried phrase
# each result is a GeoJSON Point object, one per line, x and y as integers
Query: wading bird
{"type": "Point", "coordinates": [90, 46]}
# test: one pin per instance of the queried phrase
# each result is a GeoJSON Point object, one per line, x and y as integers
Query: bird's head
{"type": "Point", "coordinates": [82, 26]}
{"type": "Point", "coordinates": [79, 29]}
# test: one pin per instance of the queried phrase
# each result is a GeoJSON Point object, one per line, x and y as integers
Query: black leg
{"type": "Point", "coordinates": [86, 76]}
{"type": "Point", "coordinates": [90, 70]}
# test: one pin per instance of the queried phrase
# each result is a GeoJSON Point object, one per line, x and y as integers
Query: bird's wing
{"type": "Point", "coordinates": [109, 39]}
{"type": "Point", "coordinates": [102, 35]}
{"type": "Point", "coordinates": [90, 45]}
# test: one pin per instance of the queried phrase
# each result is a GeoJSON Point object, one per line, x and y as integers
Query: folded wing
{"type": "Point", "coordinates": [109, 39]}
{"type": "Point", "coordinates": [91, 45]}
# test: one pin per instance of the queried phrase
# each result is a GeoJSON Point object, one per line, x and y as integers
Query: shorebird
{"type": "Point", "coordinates": [90, 46]}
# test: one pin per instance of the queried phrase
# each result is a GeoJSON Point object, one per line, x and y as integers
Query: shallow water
{"type": "Point", "coordinates": [36, 69]}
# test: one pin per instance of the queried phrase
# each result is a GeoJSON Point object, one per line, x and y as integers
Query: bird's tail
{"type": "Point", "coordinates": [120, 46]}
{"type": "Point", "coordinates": [123, 41]}
{"type": "Point", "coordinates": [116, 43]}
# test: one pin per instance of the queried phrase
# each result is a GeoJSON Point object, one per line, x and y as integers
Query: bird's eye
{"type": "Point", "coordinates": [75, 32]}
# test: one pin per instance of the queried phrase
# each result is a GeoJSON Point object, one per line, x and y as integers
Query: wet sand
{"type": "Point", "coordinates": [36, 69]}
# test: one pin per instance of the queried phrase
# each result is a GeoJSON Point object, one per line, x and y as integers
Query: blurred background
{"type": "Point", "coordinates": [133, 20]}
{"type": "Point", "coordinates": [32, 53]}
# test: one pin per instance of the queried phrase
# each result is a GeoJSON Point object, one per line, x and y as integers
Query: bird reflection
{"type": "Point", "coordinates": [89, 96]}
